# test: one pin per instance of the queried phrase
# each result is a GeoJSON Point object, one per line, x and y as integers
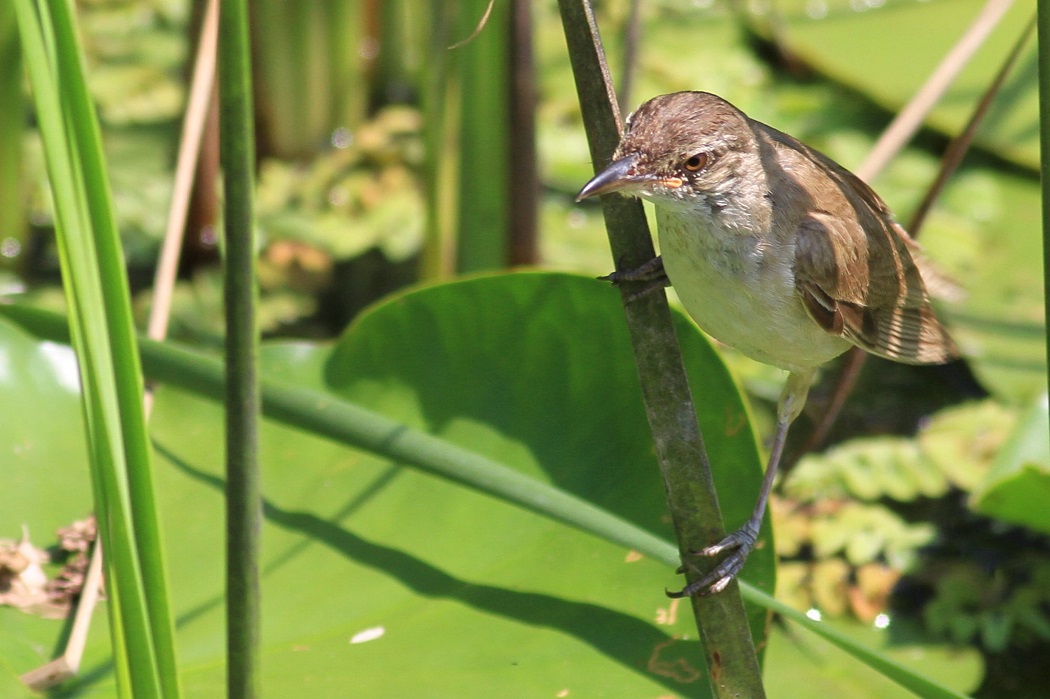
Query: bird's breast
{"type": "Point", "coordinates": [739, 287]}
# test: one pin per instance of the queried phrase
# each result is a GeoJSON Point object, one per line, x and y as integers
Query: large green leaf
{"type": "Point", "coordinates": [458, 592]}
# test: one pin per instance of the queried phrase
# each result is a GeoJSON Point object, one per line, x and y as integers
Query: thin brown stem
{"type": "Point", "coordinates": [693, 503]}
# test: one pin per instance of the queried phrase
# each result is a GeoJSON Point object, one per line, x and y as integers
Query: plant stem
{"type": "Point", "coordinates": [243, 504]}
{"type": "Point", "coordinates": [731, 661]}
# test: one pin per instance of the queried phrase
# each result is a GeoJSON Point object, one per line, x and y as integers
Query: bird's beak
{"type": "Point", "coordinates": [617, 177]}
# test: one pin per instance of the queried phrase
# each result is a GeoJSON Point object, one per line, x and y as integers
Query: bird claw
{"type": "Point", "coordinates": [648, 271]}
{"type": "Point", "coordinates": [740, 543]}
{"type": "Point", "coordinates": [651, 275]}
{"type": "Point", "coordinates": [742, 539]}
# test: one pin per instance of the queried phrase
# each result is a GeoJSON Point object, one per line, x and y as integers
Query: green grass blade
{"type": "Point", "coordinates": [100, 323]}
{"type": "Point", "coordinates": [119, 326]}
{"type": "Point", "coordinates": [128, 613]}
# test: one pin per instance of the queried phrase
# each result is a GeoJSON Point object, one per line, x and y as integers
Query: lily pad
{"type": "Point", "coordinates": [395, 582]}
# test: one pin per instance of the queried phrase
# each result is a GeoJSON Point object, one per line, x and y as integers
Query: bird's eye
{"type": "Point", "coordinates": [697, 162]}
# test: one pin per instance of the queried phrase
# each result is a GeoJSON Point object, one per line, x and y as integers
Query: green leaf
{"type": "Point", "coordinates": [801, 667]}
{"type": "Point", "coordinates": [1018, 486]}
{"type": "Point", "coordinates": [530, 369]}
{"type": "Point", "coordinates": [96, 289]}
{"type": "Point", "coordinates": [353, 542]}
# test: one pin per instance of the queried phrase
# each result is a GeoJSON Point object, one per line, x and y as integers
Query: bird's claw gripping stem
{"type": "Point", "coordinates": [740, 543]}
{"type": "Point", "coordinates": [651, 275]}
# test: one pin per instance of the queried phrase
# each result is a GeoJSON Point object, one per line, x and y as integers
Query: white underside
{"type": "Point", "coordinates": [742, 294]}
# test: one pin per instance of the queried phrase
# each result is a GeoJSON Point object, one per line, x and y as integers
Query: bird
{"type": "Point", "coordinates": [775, 250]}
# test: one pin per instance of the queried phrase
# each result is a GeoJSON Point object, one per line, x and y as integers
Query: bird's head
{"type": "Point", "coordinates": [681, 151]}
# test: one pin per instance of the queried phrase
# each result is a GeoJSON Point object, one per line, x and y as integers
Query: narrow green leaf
{"type": "Point", "coordinates": [484, 123]}
{"type": "Point", "coordinates": [100, 324]}
{"type": "Point", "coordinates": [120, 330]}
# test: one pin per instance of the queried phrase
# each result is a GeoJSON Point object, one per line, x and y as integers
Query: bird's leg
{"type": "Point", "coordinates": [651, 274]}
{"type": "Point", "coordinates": [741, 542]}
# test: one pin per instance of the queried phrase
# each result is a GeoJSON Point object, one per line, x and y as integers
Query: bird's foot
{"type": "Point", "coordinates": [651, 270]}
{"type": "Point", "coordinates": [650, 275]}
{"type": "Point", "coordinates": [740, 544]}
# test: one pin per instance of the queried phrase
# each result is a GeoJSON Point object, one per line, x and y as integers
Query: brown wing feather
{"type": "Point", "coordinates": [868, 286]}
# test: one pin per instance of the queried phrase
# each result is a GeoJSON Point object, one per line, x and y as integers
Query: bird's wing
{"type": "Point", "coordinates": [881, 303]}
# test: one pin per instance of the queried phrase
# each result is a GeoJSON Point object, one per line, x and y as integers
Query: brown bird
{"type": "Point", "coordinates": [773, 249]}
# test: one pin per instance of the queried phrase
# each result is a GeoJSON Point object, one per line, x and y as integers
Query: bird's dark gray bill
{"type": "Point", "coordinates": [612, 179]}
